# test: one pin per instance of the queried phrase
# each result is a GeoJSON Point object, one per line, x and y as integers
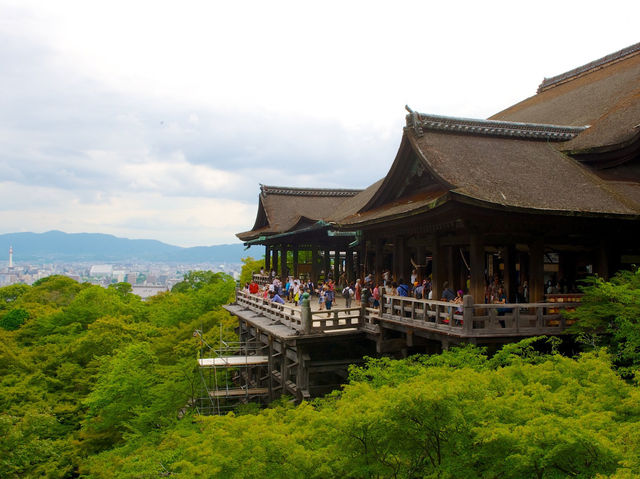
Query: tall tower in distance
{"type": "Point", "coordinates": [10, 256]}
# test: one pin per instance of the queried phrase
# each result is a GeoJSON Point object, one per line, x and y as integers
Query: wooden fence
{"type": "Point", "coordinates": [467, 319]}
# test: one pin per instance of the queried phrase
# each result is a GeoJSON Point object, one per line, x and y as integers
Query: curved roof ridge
{"type": "Point", "coordinates": [588, 67]}
{"type": "Point", "coordinates": [499, 128]}
{"type": "Point", "coordinates": [292, 191]}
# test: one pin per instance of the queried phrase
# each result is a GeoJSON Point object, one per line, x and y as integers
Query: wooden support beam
{"type": "Point", "coordinates": [421, 261]}
{"type": "Point", "coordinates": [267, 259]}
{"type": "Point", "coordinates": [508, 254]}
{"type": "Point", "coordinates": [274, 258]}
{"type": "Point", "coordinates": [602, 260]}
{"type": "Point", "coordinates": [439, 274]}
{"type": "Point", "coordinates": [336, 265]}
{"type": "Point", "coordinates": [349, 265]}
{"type": "Point", "coordinates": [536, 271]}
{"type": "Point", "coordinates": [283, 264]}
{"type": "Point", "coordinates": [327, 264]}
{"type": "Point", "coordinates": [378, 260]}
{"type": "Point", "coordinates": [295, 260]}
{"type": "Point", "coordinates": [476, 263]}
{"type": "Point", "coordinates": [314, 264]}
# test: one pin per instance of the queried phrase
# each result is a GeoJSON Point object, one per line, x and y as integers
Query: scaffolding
{"type": "Point", "coordinates": [229, 375]}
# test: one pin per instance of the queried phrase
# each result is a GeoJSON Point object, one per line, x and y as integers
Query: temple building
{"type": "Point", "coordinates": [546, 191]}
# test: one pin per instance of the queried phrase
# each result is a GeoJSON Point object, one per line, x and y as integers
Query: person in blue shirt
{"type": "Point", "coordinates": [275, 298]}
{"type": "Point", "coordinates": [403, 288]}
{"type": "Point", "coordinates": [447, 293]}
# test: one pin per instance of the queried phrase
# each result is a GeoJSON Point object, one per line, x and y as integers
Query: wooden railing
{"type": "Point", "coordinates": [290, 315]}
{"type": "Point", "coordinates": [262, 279]}
{"type": "Point", "coordinates": [467, 319]}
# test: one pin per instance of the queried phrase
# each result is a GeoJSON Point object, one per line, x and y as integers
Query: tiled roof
{"type": "Point", "coordinates": [589, 67]}
{"type": "Point", "coordinates": [503, 129]}
{"type": "Point", "coordinates": [287, 191]}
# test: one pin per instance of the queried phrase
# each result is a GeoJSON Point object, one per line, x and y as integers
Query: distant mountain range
{"type": "Point", "coordinates": [56, 246]}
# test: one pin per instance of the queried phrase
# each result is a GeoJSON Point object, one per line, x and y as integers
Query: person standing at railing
{"type": "Point", "coordinates": [447, 292]}
{"type": "Point", "coordinates": [347, 294]}
{"type": "Point", "coordinates": [358, 291]}
{"type": "Point", "coordinates": [320, 296]}
{"type": "Point", "coordinates": [403, 288]}
{"type": "Point", "coordinates": [376, 296]}
{"type": "Point", "coordinates": [329, 296]}
{"type": "Point", "coordinates": [253, 287]}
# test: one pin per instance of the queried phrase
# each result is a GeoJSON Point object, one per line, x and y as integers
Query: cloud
{"type": "Point", "coordinates": [156, 120]}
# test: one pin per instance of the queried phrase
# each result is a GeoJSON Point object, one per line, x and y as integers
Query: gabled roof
{"type": "Point", "coordinates": [530, 157]}
{"type": "Point", "coordinates": [604, 94]}
{"type": "Point", "coordinates": [506, 164]}
{"type": "Point", "coordinates": [282, 209]}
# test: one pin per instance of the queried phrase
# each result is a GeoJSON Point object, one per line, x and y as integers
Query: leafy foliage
{"type": "Point", "coordinates": [97, 383]}
{"type": "Point", "coordinates": [250, 267]}
{"type": "Point", "coordinates": [609, 316]}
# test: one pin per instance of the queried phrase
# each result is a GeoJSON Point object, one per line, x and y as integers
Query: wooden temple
{"type": "Point", "coordinates": [548, 189]}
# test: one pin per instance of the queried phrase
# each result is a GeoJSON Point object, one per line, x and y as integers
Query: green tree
{"type": "Point", "coordinates": [609, 315]}
{"type": "Point", "coordinates": [13, 319]}
{"type": "Point", "coordinates": [195, 280]}
{"type": "Point", "coordinates": [9, 294]}
{"type": "Point", "coordinates": [250, 267]}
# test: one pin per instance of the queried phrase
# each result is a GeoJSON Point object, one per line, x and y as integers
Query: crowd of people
{"type": "Point", "coordinates": [354, 293]}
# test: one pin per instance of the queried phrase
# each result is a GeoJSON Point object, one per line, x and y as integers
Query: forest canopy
{"type": "Point", "coordinates": [95, 382]}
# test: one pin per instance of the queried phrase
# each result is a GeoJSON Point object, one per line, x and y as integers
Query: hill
{"type": "Point", "coordinates": [57, 246]}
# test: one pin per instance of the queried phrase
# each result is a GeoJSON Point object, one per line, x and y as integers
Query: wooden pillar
{"type": "Point", "coordinates": [451, 267]}
{"type": "Point", "coordinates": [378, 260]}
{"type": "Point", "coordinates": [314, 264]}
{"type": "Point", "coordinates": [336, 265]}
{"type": "Point", "coordinates": [283, 263]}
{"type": "Point", "coordinates": [362, 259]}
{"type": "Point", "coordinates": [439, 274]}
{"type": "Point", "coordinates": [295, 260]}
{"type": "Point", "coordinates": [274, 258]}
{"type": "Point", "coordinates": [327, 264]}
{"type": "Point", "coordinates": [536, 271]}
{"type": "Point", "coordinates": [421, 262]}
{"type": "Point", "coordinates": [602, 261]}
{"type": "Point", "coordinates": [267, 259]}
{"type": "Point", "coordinates": [476, 263]}
{"type": "Point", "coordinates": [402, 259]}
{"type": "Point", "coordinates": [394, 260]}
{"type": "Point", "coordinates": [348, 264]}
{"type": "Point", "coordinates": [509, 274]}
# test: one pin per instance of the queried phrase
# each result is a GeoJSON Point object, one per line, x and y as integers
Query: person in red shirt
{"type": "Point", "coordinates": [253, 287]}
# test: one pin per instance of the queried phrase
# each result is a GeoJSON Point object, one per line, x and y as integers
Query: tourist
{"type": "Point", "coordinates": [347, 294]}
{"type": "Point", "coordinates": [358, 291]}
{"type": "Point", "coordinates": [321, 290]}
{"type": "Point", "coordinates": [501, 298]}
{"type": "Point", "coordinates": [376, 296]}
{"type": "Point", "coordinates": [329, 296]}
{"type": "Point", "coordinates": [459, 299]}
{"type": "Point", "coordinates": [447, 293]}
{"type": "Point", "coordinates": [386, 277]}
{"type": "Point", "coordinates": [275, 298]}
{"type": "Point", "coordinates": [402, 289]}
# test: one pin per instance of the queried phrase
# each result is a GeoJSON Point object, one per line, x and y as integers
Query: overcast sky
{"type": "Point", "coordinates": [159, 119]}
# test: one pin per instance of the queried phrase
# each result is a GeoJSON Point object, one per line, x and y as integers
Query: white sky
{"type": "Point", "coordinates": [159, 119]}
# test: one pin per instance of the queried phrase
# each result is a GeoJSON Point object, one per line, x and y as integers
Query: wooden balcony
{"type": "Point", "coordinates": [289, 315]}
{"type": "Point", "coordinates": [476, 320]}
{"type": "Point", "coordinates": [468, 320]}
